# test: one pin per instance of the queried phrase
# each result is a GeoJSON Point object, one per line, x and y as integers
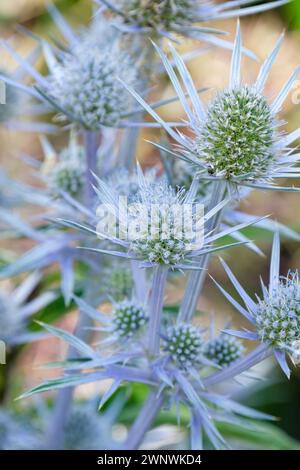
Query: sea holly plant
{"type": "Point", "coordinates": [124, 236]}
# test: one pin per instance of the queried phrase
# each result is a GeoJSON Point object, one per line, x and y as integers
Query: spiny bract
{"type": "Point", "coordinates": [278, 314]}
{"type": "Point", "coordinates": [224, 350]}
{"type": "Point", "coordinates": [238, 137]}
{"type": "Point", "coordinates": [128, 318]}
{"type": "Point", "coordinates": [184, 343]}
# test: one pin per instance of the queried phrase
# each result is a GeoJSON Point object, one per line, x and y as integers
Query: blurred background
{"type": "Point", "coordinates": [211, 69]}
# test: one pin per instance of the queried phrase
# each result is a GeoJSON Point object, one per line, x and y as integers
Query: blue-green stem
{"type": "Point", "coordinates": [62, 407]}
{"type": "Point", "coordinates": [197, 278]}
{"type": "Point", "coordinates": [144, 421]}
{"type": "Point", "coordinates": [156, 308]}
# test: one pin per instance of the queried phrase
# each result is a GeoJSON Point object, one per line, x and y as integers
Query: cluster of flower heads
{"type": "Point", "coordinates": [128, 318]}
{"type": "Point", "coordinates": [184, 342]}
{"type": "Point", "coordinates": [169, 224]}
{"type": "Point", "coordinates": [224, 350]}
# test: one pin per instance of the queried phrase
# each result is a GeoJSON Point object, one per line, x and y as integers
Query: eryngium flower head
{"type": "Point", "coordinates": [278, 314]}
{"type": "Point", "coordinates": [160, 14]}
{"type": "Point", "coordinates": [238, 136]}
{"type": "Point", "coordinates": [158, 250]}
{"type": "Point", "coordinates": [119, 283]}
{"type": "Point", "coordinates": [224, 350]}
{"type": "Point", "coordinates": [128, 318]}
{"type": "Point", "coordinates": [16, 433]}
{"type": "Point", "coordinates": [86, 85]}
{"type": "Point", "coordinates": [179, 16]}
{"type": "Point", "coordinates": [16, 307]}
{"type": "Point", "coordinates": [9, 321]}
{"type": "Point", "coordinates": [182, 176]}
{"type": "Point", "coordinates": [161, 227]}
{"type": "Point", "coordinates": [184, 343]}
{"type": "Point", "coordinates": [68, 176]}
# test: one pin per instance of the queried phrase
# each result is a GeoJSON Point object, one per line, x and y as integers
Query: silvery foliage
{"type": "Point", "coordinates": [137, 340]}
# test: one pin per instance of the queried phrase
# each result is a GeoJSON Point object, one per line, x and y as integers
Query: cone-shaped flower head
{"type": "Point", "coordinates": [160, 14]}
{"type": "Point", "coordinates": [68, 176]}
{"type": "Point", "coordinates": [224, 350]}
{"type": "Point", "coordinates": [9, 100]}
{"type": "Point", "coordinates": [184, 343]}
{"type": "Point", "coordinates": [129, 318]}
